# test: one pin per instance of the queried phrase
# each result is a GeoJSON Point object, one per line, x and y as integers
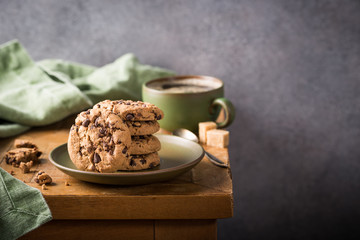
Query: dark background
{"type": "Point", "coordinates": [291, 68]}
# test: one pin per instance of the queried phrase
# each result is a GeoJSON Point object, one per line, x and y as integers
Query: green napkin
{"type": "Point", "coordinates": [36, 94]}
{"type": "Point", "coordinates": [22, 208]}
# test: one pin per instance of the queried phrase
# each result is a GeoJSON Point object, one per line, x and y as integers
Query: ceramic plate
{"type": "Point", "coordinates": [177, 155]}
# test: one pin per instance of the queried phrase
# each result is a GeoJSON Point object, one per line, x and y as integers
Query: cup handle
{"type": "Point", "coordinates": [228, 108]}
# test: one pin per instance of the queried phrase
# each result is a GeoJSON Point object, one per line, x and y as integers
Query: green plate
{"type": "Point", "coordinates": [177, 155]}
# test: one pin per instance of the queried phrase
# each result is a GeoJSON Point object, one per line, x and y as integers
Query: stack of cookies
{"type": "Point", "coordinates": [116, 135]}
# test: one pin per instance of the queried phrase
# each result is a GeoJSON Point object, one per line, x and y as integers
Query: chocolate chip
{"type": "Point", "coordinates": [144, 105]}
{"type": "Point", "coordinates": [158, 117]}
{"type": "Point", "coordinates": [96, 122]}
{"type": "Point", "coordinates": [127, 103]}
{"type": "Point", "coordinates": [143, 161]}
{"type": "Point", "coordinates": [98, 105]}
{"type": "Point", "coordinates": [36, 180]}
{"type": "Point", "coordinates": [124, 150]}
{"type": "Point", "coordinates": [129, 116]}
{"type": "Point", "coordinates": [151, 165]}
{"type": "Point", "coordinates": [88, 111]}
{"type": "Point", "coordinates": [97, 158]}
{"type": "Point", "coordinates": [80, 153]}
{"type": "Point", "coordinates": [102, 130]}
{"type": "Point", "coordinates": [38, 154]}
{"type": "Point", "coordinates": [39, 173]}
{"type": "Point", "coordinates": [132, 163]}
{"type": "Point", "coordinates": [86, 123]}
{"type": "Point", "coordinates": [107, 147]}
{"type": "Point", "coordinates": [111, 152]}
{"type": "Point", "coordinates": [118, 142]}
{"type": "Point", "coordinates": [89, 149]}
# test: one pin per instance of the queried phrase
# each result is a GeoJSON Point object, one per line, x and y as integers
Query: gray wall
{"type": "Point", "coordinates": [290, 67]}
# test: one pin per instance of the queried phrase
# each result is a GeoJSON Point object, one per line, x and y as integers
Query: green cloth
{"type": "Point", "coordinates": [22, 208]}
{"type": "Point", "coordinates": [37, 94]}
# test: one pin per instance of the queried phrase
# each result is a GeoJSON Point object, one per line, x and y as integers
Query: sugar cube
{"type": "Point", "coordinates": [203, 128]}
{"type": "Point", "coordinates": [217, 138]}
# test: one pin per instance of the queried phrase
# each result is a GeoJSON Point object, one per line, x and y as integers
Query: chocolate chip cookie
{"type": "Point", "coordinates": [16, 156]}
{"type": "Point", "coordinates": [144, 145]}
{"type": "Point", "coordinates": [99, 141]}
{"type": "Point", "coordinates": [132, 110]}
{"type": "Point", "coordinates": [140, 162]}
{"type": "Point", "coordinates": [143, 127]}
{"type": "Point", "coordinates": [23, 143]}
{"type": "Point", "coordinates": [42, 178]}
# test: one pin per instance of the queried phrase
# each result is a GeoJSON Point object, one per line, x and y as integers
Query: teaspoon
{"type": "Point", "coordinates": [187, 134]}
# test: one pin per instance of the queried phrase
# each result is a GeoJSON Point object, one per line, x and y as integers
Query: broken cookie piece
{"type": "Point", "coordinates": [16, 156]}
{"type": "Point", "coordinates": [23, 143]}
{"type": "Point", "coordinates": [42, 178]}
{"type": "Point", "coordinates": [25, 167]}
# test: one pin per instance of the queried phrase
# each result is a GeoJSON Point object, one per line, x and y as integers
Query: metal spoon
{"type": "Point", "coordinates": [187, 134]}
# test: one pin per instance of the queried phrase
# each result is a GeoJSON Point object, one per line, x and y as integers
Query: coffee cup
{"type": "Point", "coordinates": [188, 100]}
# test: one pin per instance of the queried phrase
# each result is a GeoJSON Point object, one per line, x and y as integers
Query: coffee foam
{"type": "Point", "coordinates": [187, 85]}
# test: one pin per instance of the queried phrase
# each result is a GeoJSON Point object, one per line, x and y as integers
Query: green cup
{"type": "Point", "coordinates": [188, 100]}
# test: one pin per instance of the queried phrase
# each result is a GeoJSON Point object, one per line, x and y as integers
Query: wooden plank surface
{"type": "Point", "coordinates": [205, 192]}
{"type": "Point", "coordinates": [93, 229]}
{"type": "Point", "coordinates": [121, 229]}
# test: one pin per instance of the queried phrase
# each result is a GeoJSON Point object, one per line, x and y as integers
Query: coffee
{"type": "Point", "coordinates": [188, 100]}
{"type": "Point", "coordinates": [187, 85]}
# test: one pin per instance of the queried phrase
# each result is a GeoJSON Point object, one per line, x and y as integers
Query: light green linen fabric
{"type": "Point", "coordinates": [28, 96]}
{"type": "Point", "coordinates": [22, 208]}
{"type": "Point", "coordinates": [36, 94]}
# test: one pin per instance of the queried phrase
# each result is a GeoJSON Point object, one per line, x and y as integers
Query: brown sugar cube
{"type": "Point", "coordinates": [218, 138]}
{"type": "Point", "coordinates": [203, 128]}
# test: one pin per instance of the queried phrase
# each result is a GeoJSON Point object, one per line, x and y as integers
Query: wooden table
{"type": "Point", "coordinates": [184, 208]}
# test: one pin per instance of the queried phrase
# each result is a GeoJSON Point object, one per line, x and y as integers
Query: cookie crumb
{"type": "Point", "coordinates": [24, 181]}
{"type": "Point", "coordinates": [15, 156]}
{"type": "Point", "coordinates": [67, 183]}
{"type": "Point", "coordinates": [12, 173]}
{"type": "Point", "coordinates": [43, 187]}
{"type": "Point", "coordinates": [25, 167]}
{"type": "Point", "coordinates": [24, 143]}
{"type": "Point", "coordinates": [42, 178]}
